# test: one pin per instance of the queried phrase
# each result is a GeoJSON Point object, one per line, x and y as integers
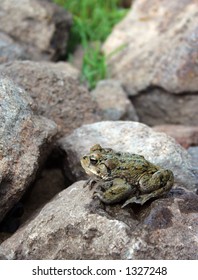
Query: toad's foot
{"type": "Point", "coordinates": [145, 197]}
{"type": "Point", "coordinates": [90, 183]}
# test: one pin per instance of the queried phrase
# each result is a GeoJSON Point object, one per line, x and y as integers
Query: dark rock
{"type": "Point", "coordinates": [11, 221]}
{"type": "Point", "coordinates": [155, 106]}
{"type": "Point", "coordinates": [49, 183]}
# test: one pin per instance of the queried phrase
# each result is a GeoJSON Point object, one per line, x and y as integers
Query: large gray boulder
{"type": "Point", "coordinates": [25, 142]}
{"type": "Point", "coordinates": [74, 226]}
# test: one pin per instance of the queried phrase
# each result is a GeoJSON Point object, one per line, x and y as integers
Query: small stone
{"type": "Point", "coordinates": [113, 101]}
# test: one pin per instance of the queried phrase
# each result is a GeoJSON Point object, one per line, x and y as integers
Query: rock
{"type": "Point", "coordinates": [131, 137]}
{"type": "Point", "coordinates": [73, 226]}
{"type": "Point", "coordinates": [2, 257]}
{"type": "Point", "coordinates": [163, 76]}
{"type": "Point", "coordinates": [185, 135]}
{"type": "Point", "coordinates": [57, 91]}
{"type": "Point", "coordinates": [155, 106]}
{"type": "Point", "coordinates": [25, 142]}
{"type": "Point", "coordinates": [9, 50]}
{"type": "Point", "coordinates": [39, 195]}
{"type": "Point", "coordinates": [193, 151]}
{"type": "Point", "coordinates": [41, 27]}
{"type": "Point", "coordinates": [77, 57]}
{"type": "Point", "coordinates": [113, 101]}
{"type": "Point", "coordinates": [126, 3]}
{"type": "Point", "coordinates": [4, 236]}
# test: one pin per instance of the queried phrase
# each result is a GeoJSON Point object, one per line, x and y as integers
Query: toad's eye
{"type": "Point", "coordinates": [93, 160]}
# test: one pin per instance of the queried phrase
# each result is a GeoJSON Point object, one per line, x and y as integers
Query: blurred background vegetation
{"type": "Point", "coordinates": [93, 21]}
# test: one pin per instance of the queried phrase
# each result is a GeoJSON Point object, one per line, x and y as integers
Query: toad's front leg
{"type": "Point", "coordinates": [91, 182]}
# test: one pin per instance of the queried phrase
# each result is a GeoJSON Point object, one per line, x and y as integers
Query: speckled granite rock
{"type": "Point", "coordinates": [57, 92]}
{"type": "Point", "coordinates": [73, 226]}
{"type": "Point", "coordinates": [25, 142]}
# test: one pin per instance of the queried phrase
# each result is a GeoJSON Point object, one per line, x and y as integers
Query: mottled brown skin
{"type": "Point", "coordinates": [124, 176]}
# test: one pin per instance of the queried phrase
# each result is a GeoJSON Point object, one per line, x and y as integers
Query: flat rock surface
{"type": "Point", "coordinates": [74, 226]}
{"type": "Point", "coordinates": [25, 142]}
{"type": "Point", "coordinates": [41, 27]}
{"type": "Point", "coordinates": [130, 137]}
{"type": "Point", "coordinates": [57, 92]}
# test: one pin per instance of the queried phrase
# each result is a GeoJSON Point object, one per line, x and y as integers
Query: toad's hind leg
{"type": "Point", "coordinates": [161, 181]}
{"type": "Point", "coordinates": [158, 192]}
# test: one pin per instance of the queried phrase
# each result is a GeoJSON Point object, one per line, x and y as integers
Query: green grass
{"type": "Point", "coordinates": [93, 21]}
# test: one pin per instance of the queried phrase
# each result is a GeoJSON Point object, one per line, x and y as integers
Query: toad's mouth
{"type": "Point", "coordinates": [96, 174]}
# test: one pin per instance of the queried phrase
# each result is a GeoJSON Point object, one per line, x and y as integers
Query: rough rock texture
{"type": "Point", "coordinates": [24, 143]}
{"type": "Point", "coordinates": [73, 226]}
{"type": "Point", "coordinates": [56, 89]}
{"type": "Point", "coordinates": [143, 58]}
{"type": "Point", "coordinates": [155, 106]}
{"type": "Point", "coordinates": [185, 135]}
{"type": "Point", "coordinates": [39, 194]}
{"type": "Point", "coordinates": [193, 151]}
{"type": "Point", "coordinates": [113, 101]}
{"type": "Point", "coordinates": [9, 50]}
{"type": "Point", "coordinates": [41, 27]}
{"type": "Point", "coordinates": [130, 137]}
